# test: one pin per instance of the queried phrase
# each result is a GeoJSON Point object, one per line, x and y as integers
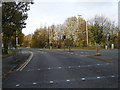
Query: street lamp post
{"type": "Point", "coordinates": [16, 40]}
{"type": "Point", "coordinates": [48, 39]}
{"type": "Point", "coordinates": [86, 31]}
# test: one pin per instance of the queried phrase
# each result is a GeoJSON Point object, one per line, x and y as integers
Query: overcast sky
{"type": "Point", "coordinates": [48, 12]}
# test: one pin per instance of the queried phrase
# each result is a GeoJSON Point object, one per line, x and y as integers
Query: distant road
{"type": "Point", "coordinates": [58, 69]}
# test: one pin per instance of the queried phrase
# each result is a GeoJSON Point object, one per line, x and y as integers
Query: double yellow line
{"type": "Point", "coordinates": [25, 64]}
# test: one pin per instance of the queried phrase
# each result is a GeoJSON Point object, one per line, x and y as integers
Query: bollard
{"type": "Point", "coordinates": [106, 47]}
{"type": "Point", "coordinates": [97, 52]}
{"type": "Point", "coordinates": [112, 46]}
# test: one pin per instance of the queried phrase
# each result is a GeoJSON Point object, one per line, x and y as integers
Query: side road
{"type": "Point", "coordinates": [11, 63]}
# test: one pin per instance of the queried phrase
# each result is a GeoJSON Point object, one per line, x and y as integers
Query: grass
{"type": "Point", "coordinates": [77, 48]}
{"type": "Point", "coordinates": [10, 52]}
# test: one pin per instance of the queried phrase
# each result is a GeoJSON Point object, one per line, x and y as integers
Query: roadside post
{"type": "Point", "coordinates": [112, 46]}
{"type": "Point", "coordinates": [106, 47]}
{"type": "Point", "coordinates": [64, 37]}
{"type": "Point", "coordinates": [98, 51]}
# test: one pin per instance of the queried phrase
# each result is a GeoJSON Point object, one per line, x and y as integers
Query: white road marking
{"type": "Point", "coordinates": [98, 64]}
{"type": "Point", "coordinates": [59, 67]}
{"type": "Point", "coordinates": [69, 67]}
{"type": "Point", "coordinates": [74, 79]}
{"type": "Point", "coordinates": [49, 68]}
{"type": "Point", "coordinates": [98, 77]}
{"type": "Point", "coordinates": [107, 63]}
{"type": "Point", "coordinates": [51, 82]}
{"type": "Point", "coordinates": [83, 79]}
{"type": "Point", "coordinates": [89, 65]}
{"type": "Point", "coordinates": [68, 80]}
{"type": "Point", "coordinates": [17, 85]}
{"type": "Point", "coordinates": [25, 64]}
{"type": "Point", "coordinates": [38, 69]}
{"type": "Point", "coordinates": [112, 76]}
{"type": "Point", "coordinates": [34, 83]}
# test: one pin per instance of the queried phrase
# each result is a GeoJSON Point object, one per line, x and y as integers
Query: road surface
{"type": "Point", "coordinates": [57, 69]}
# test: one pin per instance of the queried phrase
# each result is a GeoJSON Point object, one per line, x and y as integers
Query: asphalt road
{"type": "Point", "coordinates": [57, 69]}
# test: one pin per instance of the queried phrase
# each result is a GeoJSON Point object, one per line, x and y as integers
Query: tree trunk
{"type": "Point", "coordinates": [5, 51]}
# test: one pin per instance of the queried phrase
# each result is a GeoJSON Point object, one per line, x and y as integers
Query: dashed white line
{"type": "Point", "coordinates": [51, 82]}
{"type": "Point", "coordinates": [17, 85]}
{"type": "Point", "coordinates": [83, 79]}
{"type": "Point", "coordinates": [98, 64]}
{"type": "Point", "coordinates": [112, 76]}
{"type": "Point", "coordinates": [68, 80]}
{"type": "Point", "coordinates": [49, 68]}
{"type": "Point", "coordinates": [34, 83]}
{"type": "Point", "coordinates": [69, 67]}
{"type": "Point", "coordinates": [89, 65]}
{"type": "Point", "coordinates": [59, 67]}
{"type": "Point", "coordinates": [98, 77]}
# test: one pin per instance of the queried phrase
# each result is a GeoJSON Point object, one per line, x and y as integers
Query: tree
{"type": "Point", "coordinates": [14, 15]}
{"type": "Point", "coordinates": [40, 38]}
{"type": "Point", "coordinates": [27, 40]}
{"type": "Point", "coordinates": [20, 38]}
{"type": "Point", "coordinates": [80, 32]}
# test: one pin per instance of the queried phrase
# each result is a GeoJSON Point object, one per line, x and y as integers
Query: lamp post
{"type": "Point", "coordinates": [87, 33]}
{"type": "Point", "coordinates": [86, 26]}
{"type": "Point", "coordinates": [16, 40]}
{"type": "Point", "coordinates": [48, 39]}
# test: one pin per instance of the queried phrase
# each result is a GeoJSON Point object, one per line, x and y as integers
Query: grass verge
{"type": "Point", "coordinates": [10, 52]}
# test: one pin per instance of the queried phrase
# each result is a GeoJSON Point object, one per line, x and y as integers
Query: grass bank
{"type": "Point", "coordinates": [10, 52]}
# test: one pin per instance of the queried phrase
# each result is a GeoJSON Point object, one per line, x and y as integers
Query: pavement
{"type": "Point", "coordinates": [58, 69]}
{"type": "Point", "coordinates": [9, 64]}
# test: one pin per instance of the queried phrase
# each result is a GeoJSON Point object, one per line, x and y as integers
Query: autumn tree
{"type": "Point", "coordinates": [14, 15]}
{"type": "Point", "coordinates": [27, 40]}
{"type": "Point", "coordinates": [40, 38]}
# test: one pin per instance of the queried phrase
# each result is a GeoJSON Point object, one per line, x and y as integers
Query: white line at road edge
{"type": "Point", "coordinates": [25, 64]}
